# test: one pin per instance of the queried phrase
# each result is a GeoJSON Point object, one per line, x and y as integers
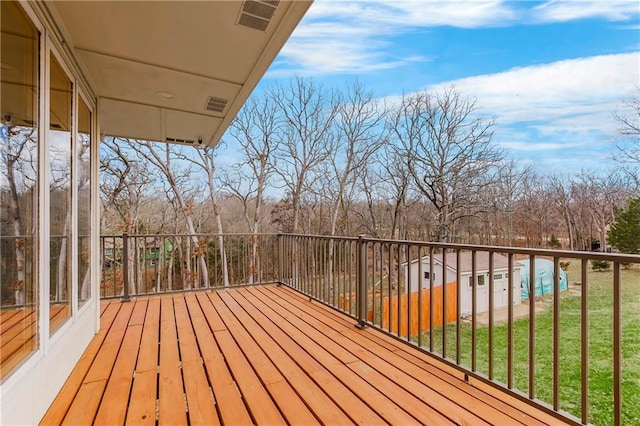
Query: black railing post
{"type": "Point", "coordinates": [280, 259]}
{"type": "Point", "coordinates": [361, 282]}
{"type": "Point", "coordinates": [125, 267]}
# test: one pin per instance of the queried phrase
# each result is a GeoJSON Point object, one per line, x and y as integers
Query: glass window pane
{"type": "Point", "coordinates": [83, 150]}
{"type": "Point", "coordinates": [60, 243]}
{"type": "Point", "coordinates": [18, 186]}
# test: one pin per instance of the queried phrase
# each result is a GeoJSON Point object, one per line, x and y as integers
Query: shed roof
{"type": "Point", "coordinates": [482, 261]}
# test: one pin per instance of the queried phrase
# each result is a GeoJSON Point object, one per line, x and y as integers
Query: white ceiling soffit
{"type": "Point", "coordinates": [175, 71]}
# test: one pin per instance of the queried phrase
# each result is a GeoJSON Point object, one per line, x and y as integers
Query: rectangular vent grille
{"type": "Point", "coordinates": [177, 140]}
{"type": "Point", "coordinates": [257, 14]}
{"type": "Point", "coordinates": [216, 104]}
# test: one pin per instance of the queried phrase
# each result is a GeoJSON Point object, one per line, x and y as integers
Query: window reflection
{"type": "Point", "coordinates": [18, 186]}
{"type": "Point", "coordinates": [60, 213]}
{"type": "Point", "coordinates": [83, 150]}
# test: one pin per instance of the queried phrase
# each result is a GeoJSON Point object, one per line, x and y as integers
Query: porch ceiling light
{"type": "Point", "coordinates": [165, 95]}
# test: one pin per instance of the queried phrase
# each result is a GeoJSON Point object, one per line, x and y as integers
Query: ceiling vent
{"type": "Point", "coordinates": [182, 141]}
{"type": "Point", "coordinates": [257, 14]}
{"type": "Point", "coordinates": [216, 104]}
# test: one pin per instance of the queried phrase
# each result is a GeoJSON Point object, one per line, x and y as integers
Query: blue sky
{"type": "Point", "coordinates": [551, 73]}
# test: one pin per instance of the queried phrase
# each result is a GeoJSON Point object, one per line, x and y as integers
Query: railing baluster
{"type": "Point", "coordinates": [362, 282]}
{"type": "Point", "coordinates": [373, 280]}
{"type": "Point", "coordinates": [125, 267]}
{"type": "Point", "coordinates": [444, 303]}
{"type": "Point", "coordinates": [408, 279]}
{"type": "Point", "coordinates": [381, 274]}
{"type": "Point", "coordinates": [556, 333]}
{"type": "Point", "coordinates": [584, 347]}
{"type": "Point", "coordinates": [474, 301]}
{"type": "Point", "coordinates": [431, 270]}
{"type": "Point", "coordinates": [420, 281]}
{"type": "Point", "coordinates": [280, 278]}
{"type": "Point", "coordinates": [491, 305]}
{"type": "Point", "coordinates": [390, 287]}
{"type": "Point", "coordinates": [532, 326]}
{"type": "Point", "coordinates": [510, 323]}
{"type": "Point", "coordinates": [617, 346]}
{"type": "Point", "coordinates": [458, 305]}
{"type": "Point", "coordinates": [399, 286]}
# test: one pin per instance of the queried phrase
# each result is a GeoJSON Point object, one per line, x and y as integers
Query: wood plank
{"type": "Point", "coordinates": [171, 405]}
{"type": "Point", "coordinates": [283, 395]}
{"type": "Point", "coordinates": [60, 406]}
{"type": "Point", "coordinates": [85, 405]}
{"type": "Point", "coordinates": [200, 402]}
{"type": "Point", "coordinates": [322, 349]}
{"type": "Point", "coordinates": [148, 355]}
{"type": "Point", "coordinates": [277, 357]}
{"type": "Point", "coordinates": [314, 397]}
{"type": "Point", "coordinates": [231, 406]}
{"type": "Point", "coordinates": [431, 391]}
{"type": "Point", "coordinates": [406, 400]}
{"type": "Point", "coordinates": [255, 396]}
{"type": "Point", "coordinates": [113, 408]}
{"type": "Point", "coordinates": [105, 359]}
{"type": "Point", "coordinates": [318, 370]}
{"type": "Point", "coordinates": [143, 398]}
{"type": "Point", "coordinates": [514, 408]}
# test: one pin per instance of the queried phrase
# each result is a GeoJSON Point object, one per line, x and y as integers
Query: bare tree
{"type": "Point", "coordinates": [307, 113]}
{"type": "Point", "coordinates": [603, 194]}
{"type": "Point", "coordinates": [359, 134]}
{"type": "Point", "coordinates": [125, 182]}
{"type": "Point", "coordinates": [258, 130]}
{"type": "Point", "coordinates": [18, 162]}
{"type": "Point", "coordinates": [206, 161]}
{"type": "Point", "coordinates": [449, 153]}
{"type": "Point", "coordinates": [629, 146]}
{"type": "Point", "coordinates": [159, 155]}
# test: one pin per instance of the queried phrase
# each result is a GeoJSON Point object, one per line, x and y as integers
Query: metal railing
{"type": "Point", "coordinates": [547, 326]}
{"type": "Point", "coordinates": [151, 264]}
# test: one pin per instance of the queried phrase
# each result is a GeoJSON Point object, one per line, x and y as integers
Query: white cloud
{"type": "Point", "coordinates": [349, 37]}
{"type": "Point", "coordinates": [539, 146]}
{"type": "Point", "coordinates": [576, 96]}
{"type": "Point", "coordinates": [568, 10]}
{"type": "Point", "coordinates": [416, 13]}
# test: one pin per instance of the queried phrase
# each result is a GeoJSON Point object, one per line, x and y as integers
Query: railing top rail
{"type": "Point", "coordinates": [322, 237]}
{"type": "Point", "coordinates": [209, 235]}
{"type": "Point", "coordinates": [618, 257]}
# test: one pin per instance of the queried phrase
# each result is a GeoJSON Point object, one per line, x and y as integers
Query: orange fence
{"type": "Point", "coordinates": [451, 300]}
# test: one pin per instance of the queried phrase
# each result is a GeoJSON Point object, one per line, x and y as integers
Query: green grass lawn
{"type": "Point", "coordinates": [600, 348]}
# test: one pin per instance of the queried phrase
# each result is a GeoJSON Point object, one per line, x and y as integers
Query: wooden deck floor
{"type": "Point", "coordinates": [264, 355]}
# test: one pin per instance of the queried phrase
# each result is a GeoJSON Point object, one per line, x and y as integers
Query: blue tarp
{"type": "Point", "coordinates": [544, 278]}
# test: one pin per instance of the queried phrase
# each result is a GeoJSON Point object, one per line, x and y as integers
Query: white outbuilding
{"type": "Point", "coordinates": [420, 278]}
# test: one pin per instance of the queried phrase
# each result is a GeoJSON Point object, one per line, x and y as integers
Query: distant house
{"type": "Point", "coordinates": [500, 279]}
{"type": "Point", "coordinates": [152, 252]}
